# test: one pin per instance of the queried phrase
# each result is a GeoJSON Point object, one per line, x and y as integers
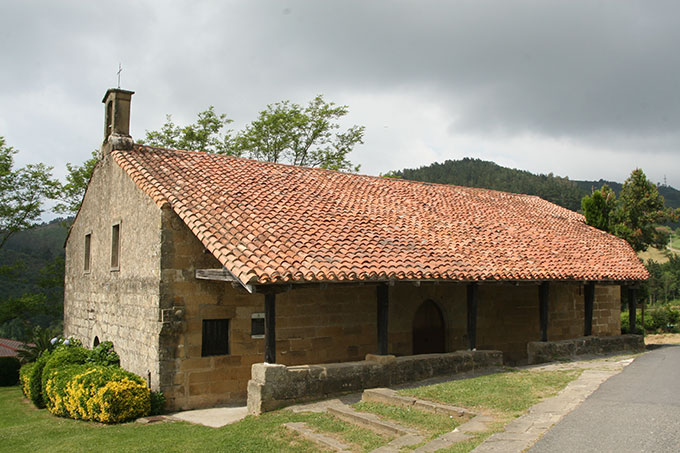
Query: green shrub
{"type": "Point", "coordinates": [9, 371]}
{"type": "Point", "coordinates": [104, 354]}
{"type": "Point", "coordinates": [35, 380]}
{"type": "Point", "coordinates": [157, 403]}
{"type": "Point", "coordinates": [664, 318]}
{"type": "Point", "coordinates": [60, 358]}
{"type": "Point", "coordinates": [625, 324]}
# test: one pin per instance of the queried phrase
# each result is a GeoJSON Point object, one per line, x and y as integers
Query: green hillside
{"type": "Point", "coordinates": [488, 175]}
{"type": "Point", "coordinates": [31, 251]}
{"type": "Point", "coordinates": [32, 280]}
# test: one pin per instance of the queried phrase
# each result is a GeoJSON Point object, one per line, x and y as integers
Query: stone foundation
{"type": "Point", "coordinates": [548, 351]}
{"type": "Point", "coordinates": [273, 385]}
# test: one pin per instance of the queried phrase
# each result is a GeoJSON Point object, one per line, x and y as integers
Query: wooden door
{"type": "Point", "coordinates": [428, 329]}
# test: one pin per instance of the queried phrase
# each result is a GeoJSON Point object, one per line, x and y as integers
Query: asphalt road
{"type": "Point", "coordinates": [637, 410]}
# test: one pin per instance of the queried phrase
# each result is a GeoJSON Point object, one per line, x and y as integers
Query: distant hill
{"type": "Point", "coordinates": [33, 249]}
{"type": "Point", "coordinates": [489, 175]}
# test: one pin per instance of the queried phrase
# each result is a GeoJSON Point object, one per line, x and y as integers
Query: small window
{"type": "Point", "coordinates": [257, 325]}
{"type": "Point", "coordinates": [86, 261]}
{"type": "Point", "coordinates": [95, 343]}
{"type": "Point", "coordinates": [115, 247]}
{"type": "Point", "coordinates": [215, 337]}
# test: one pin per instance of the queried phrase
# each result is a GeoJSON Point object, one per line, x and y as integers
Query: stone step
{"type": "Point", "coordinates": [478, 424]}
{"type": "Point", "coordinates": [318, 438]}
{"type": "Point", "coordinates": [399, 443]}
{"type": "Point", "coordinates": [370, 421]}
{"type": "Point", "coordinates": [463, 432]}
{"type": "Point", "coordinates": [389, 396]}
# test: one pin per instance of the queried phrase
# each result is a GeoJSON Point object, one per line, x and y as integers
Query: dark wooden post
{"type": "Point", "coordinates": [589, 295]}
{"type": "Point", "coordinates": [472, 291]}
{"type": "Point", "coordinates": [270, 328]}
{"type": "Point", "coordinates": [543, 293]}
{"type": "Point", "coordinates": [383, 305]}
{"type": "Point", "coordinates": [632, 309]}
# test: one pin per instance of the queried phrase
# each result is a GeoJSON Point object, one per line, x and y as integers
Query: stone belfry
{"type": "Point", "coordinates": [117, 119]}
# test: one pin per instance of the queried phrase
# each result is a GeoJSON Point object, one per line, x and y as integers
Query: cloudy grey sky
{"type": "Point", "coordinates": [582, 89]}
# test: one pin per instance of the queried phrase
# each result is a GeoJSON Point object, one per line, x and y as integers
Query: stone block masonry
{"type": "Point", "coordinates": [540, 352]}
{"type": "Point", "coordinates": [273, 386]}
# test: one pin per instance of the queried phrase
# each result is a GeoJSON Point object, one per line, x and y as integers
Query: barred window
{"type": "Point", "coordinates": [215, 337]}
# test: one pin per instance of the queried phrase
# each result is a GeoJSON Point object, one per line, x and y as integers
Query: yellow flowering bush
{"type": "Point", "coordinates": [55, 388]}
{"type": "Point", "coordinates": [72, 381]}
{"type": "Point", "coordinates": [120, 401]}
{"type": "Point", "coordinates": [106, 394]}
{"type": "Point", "coordinates": [25, 379]}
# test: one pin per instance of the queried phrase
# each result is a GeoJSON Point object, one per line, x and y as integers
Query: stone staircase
{"type": "Point", "coordinates": [403, 436]}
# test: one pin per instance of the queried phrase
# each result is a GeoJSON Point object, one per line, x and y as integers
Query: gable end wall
{"type": "Point", "coordinates": [122, 305]}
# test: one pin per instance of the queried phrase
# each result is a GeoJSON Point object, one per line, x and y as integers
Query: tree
{"type": "Point", "coordinates": [598, 208]}
{"type": "Point", "coordinates": [205, 135]}
{"type": "Point", "coordinates": [22, 193]}
{"type": "Point", "coordinates": [641, 209]}
{"type": "Point", "coordinates": [76, 183]}
{"type": "Point", "coordinates": [287, 132]}
{"type": "Point", "coordinates": [636, 216]}
{"type": "Point", "coordinates": [284, 132]}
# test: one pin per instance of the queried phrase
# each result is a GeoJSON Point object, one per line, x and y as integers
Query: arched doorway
{"type": "Point", "coordinates": [428, 329]}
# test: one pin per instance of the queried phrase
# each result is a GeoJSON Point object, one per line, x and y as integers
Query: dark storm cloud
{"type": "Point", "coordinates": [558, 68]}
{"type": "Point", "coordinates": [447, 79]}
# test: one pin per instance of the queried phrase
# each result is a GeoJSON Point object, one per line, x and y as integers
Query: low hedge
{"type": "Point", "coordinates": [35, 380]}
{"type": "Point", "coordinates": [9, 371]}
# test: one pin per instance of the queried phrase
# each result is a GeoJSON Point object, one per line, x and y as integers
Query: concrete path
{"type": "Point", "coordinates": [524, 431]}
{"type": "Point", "coordinates": [636, 411]}
{"type": "Point", "coordinates": [215, 417]}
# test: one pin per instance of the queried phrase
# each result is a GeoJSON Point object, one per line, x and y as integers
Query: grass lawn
{"type": "Point", "coordinates": [23, 428]}
{"type": "Point", "coordinates": [433, 425]}
{"type": "Point", "coordinates": [675, 241]}
{"type": "Point", "coordinates": [660, 256]}
{"type": "Point", "coordinates": [509, 393]}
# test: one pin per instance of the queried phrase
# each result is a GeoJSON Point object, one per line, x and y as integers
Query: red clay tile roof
{"type": "Point", "coordinates": [10, 348]}
{"type": "Point", "coordinates": [273, 223]}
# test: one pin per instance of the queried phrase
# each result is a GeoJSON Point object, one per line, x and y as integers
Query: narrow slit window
{"type": "Point", "coordinates": [257, 325]}
{"type": "Point", "coordinates": [115, 247]}
{"type": "Point", "coordinates": [86, 261]}
{"type": "Point", "coordinates": [215, 337]}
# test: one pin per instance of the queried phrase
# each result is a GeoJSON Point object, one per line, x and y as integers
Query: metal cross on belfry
{"type": "Point", "coordinates": [120, 69]}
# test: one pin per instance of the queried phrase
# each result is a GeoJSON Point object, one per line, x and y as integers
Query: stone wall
{"type": "Point", "coordinates": [607, 310]}
{"type": "Point", "coordinates": [120, 305]}
{"type": "Point", "coordinates": [548, 351]}
{"type": "Point", "coordinates": [507, 319]}
{"type": "Point", "coordinates": [275, 385]}
{"type": "Point", "coordinates": [188, 379]}
{"type": "Point", "coordinates": [566, 311]}
{"type": "Point", "coordinates": [313, 325]}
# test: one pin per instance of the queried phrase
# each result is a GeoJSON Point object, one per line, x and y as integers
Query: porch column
{"type": "Point", "coordinates": [543, 293]}
{"type": "Point", "coordinates": [632, 309]}
{"type": "Point", "coordinates": [472, 315]}
{"type": "Point", "coordinates": [383, 304]}
{"type": "Point", "coordinates": [589, 295]}
{"type": "Point", "coordinates": [270, 328]}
